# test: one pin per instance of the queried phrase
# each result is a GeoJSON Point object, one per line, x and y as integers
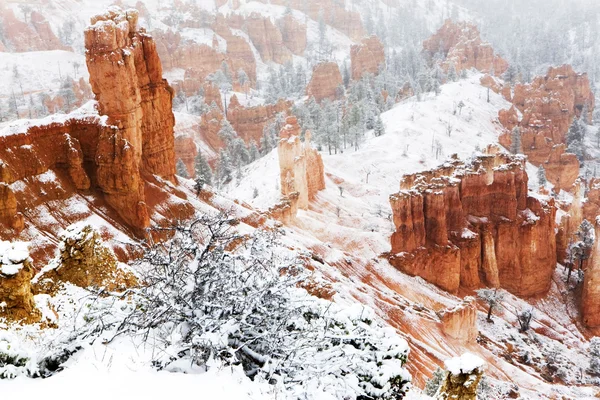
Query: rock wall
{"type": "Point", "coordinates": [473, 225]}
{"type": "Point", "coordinates": [293, 34]}
{"type": "Point", "coordinates": [325, 81]}
{"type": "Point", "coordinates": [460, 45]}
{"type": "Point", "coordinates": [301, 166]}
{"type": "Point", "coordinates": [367, 57]}
{"type": "Point", "coordinates": [548, 106]}
{"type": "Point", "coordinates": [249, 122]}
{"type": "Point", "coordinates": [126, 77]}
{"type": "Point", "coordinates": [590, 303]}
{"type": "Point", "coordinates": [267, 39]}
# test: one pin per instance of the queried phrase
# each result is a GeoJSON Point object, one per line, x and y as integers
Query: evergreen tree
{"type": "Point", "coordinates": [452, 76]}
{"type": "Point", "coordinates": [515, 145]}
{"type": "Point", "coordinates": [202, 169]}
{"type": "Point", "coordinates": [182, 169]}
{"type": "Point", "coordinates": [541, 175]}
{"type": "Point", "coordinates": [225, 168]}
{"type": "Point", "coordinates": [510, 75]}
{"type": "Point", "coordinates": [253, 151]}
{"type": "Point", "coordinates": [379, 127]}
{"type": "Point", "coordinates": [575, 139]}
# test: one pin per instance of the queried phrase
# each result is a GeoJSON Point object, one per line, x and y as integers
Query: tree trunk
{"type": "Point", "coordinates": [489, 315]}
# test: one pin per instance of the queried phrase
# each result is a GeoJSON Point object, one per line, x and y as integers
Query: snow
{"type": "Point", "coordinates": [465, 364]}
{"type": "Point", "coordinates": [86, 111]}
{"type": "Point", "coordinates": [12, 256]}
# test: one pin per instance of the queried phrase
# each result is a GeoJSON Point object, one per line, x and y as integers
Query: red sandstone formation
{"type": "Point", "coordinates": [460, 322]}
{"type": "Point", "coordinates": [239, 52]}
{"type": "Point", "coordinates": [249, 122]}
{"type": "Point", "coordinates": [186, 150]}
{"type": "Point", "coordinates": [301, 166]}
{"type": "Point", "coordinates": [126, 77]}
{"type": "Point", "coordinates": [334, 14]}
{"type": "Point", "coordinates": [548, 106]}
{"type": "Point", "coordinates": [591, 286]}
{"type": "Point", "coordinates": [267, 39]}
{"type": "Point", "coordinates": [293, 34]}
{"type": "Point", "coordinates": [468, 226]}
{"type": "Point", "coordinates": [460, 45]}
{"type": "Point", "coordinates": [34, 35]}
{"type": "Point", "coordinates": [325, 81]}
{"type": "Point", "coordinates": [367, 57]}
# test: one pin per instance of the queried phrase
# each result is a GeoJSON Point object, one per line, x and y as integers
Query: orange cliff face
{"type": "Point", "coordinates": [466, 226]}
{"type": "Point", "coordinates": [461, 46]}
{"type": "Point", "coordinates": [548, 106]}
{"type": "Point", "coordinates": [116, 162]}
{"type": "Point", "coordinates": [367, 57]}
{"type": "Point", "coordinates": [325, 81]}
{"type": "Point", "coordinates": [126, 77]}
{"type": "Point", "coordinates": [301, 168]}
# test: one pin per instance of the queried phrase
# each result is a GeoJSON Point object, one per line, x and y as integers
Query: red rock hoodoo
{"type": "Point", "coordinates": [21, 36]}
{"type": "Point", "coordinates": [126, 77]}
{"type": "Point", "coordinates": [473, 225]}
{"type": "Point", "coordinates": [367, 57]}
{"type": "Point", "coordinates": [301, 166]}
{"type": "Point", "coordinates": [325, 81]}
{"type": "Point", "coordinates": [460, 45]}
{"type": "Point", "coordinates": [548, 106]}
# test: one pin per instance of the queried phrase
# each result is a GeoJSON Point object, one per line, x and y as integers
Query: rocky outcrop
{"type": "Point", "coordinates": [325, 82]}
{"type": "Point", "coordinates": [16, 294]}
{"type": "Point", "coordinates": [293, 34]}
{"type": "Point", "coordinates": [367, 57]}
{"type": "Point", "coordinates": [460, 322]}
{"type": "Point", "coordinates": [473, 225]}
{"type": "Point", "coordinates": [548, 106]}
{"type": "Point", "coordinates": [590, 303]}
{"type": "Point", "coordinates": [85, 261]}
{"type": "Point", "coordinates": [301, 166]}
{"type": "Point", "coordinates": [126, 77]}
{"type": "Point", "coordinates": [267, 39]}
{"type": "Point", "coordinates": [460, 45]}
{"type": "Point", "coordinates": [186, 151]}
{"type": "Point", "coordinates": [249, 122]}
{"type": "Point", "coordinates": [33, 35]}
{"type": "Point", "coordinates": [334, 14]}
{"type": "Point", "coordinates": [239, 53]}
{"type": "Point", "coordinates": [462, 378]}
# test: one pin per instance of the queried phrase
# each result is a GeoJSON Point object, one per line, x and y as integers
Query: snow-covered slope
{"type": "Point", "coordinates": [349, 225]}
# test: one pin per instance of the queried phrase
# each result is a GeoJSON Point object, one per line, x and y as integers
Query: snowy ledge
{"type": "Point", "coordinates": [465, 364]}
{"type": "Point", "coordinates": [12, 257]}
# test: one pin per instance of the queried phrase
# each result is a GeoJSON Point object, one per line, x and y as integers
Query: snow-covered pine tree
{"type": "Point", "coordinates": [379, 128]}
{"type": "Point", "coordinates": [515, 140]}
{"type": "Point", "coordinates": [541, 175]}
{"type": "Point", "coordinates": [224, 168]}
{"type": "Point", "coordinates": [253, 151]}
{"type": "Point", "coordinates": [202, 169]}
{"type": "Point", "coordinates": [182, 169]}
{"type": "Point", "coordinates": [575, 139]}
{"type": "Point", "coordinates": [452, 75]}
